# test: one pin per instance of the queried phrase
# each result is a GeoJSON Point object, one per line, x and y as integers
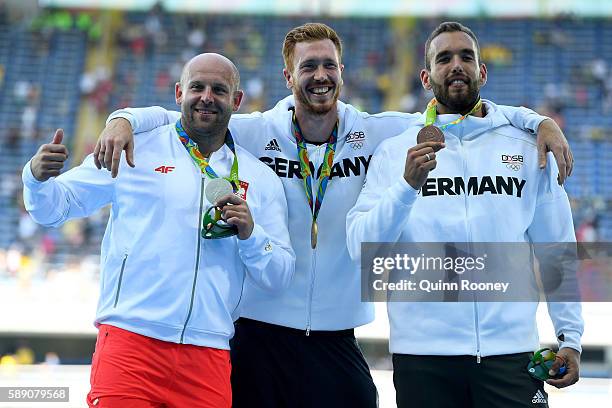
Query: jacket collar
{"type": "Point", "coordinates": [347, 115]}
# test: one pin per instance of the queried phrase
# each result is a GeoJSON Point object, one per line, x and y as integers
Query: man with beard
{"type": "Point", "coordinates": [297, 348]}
{"type": "Point", "coordinates": [468, 354]}
{"type": "Point", "coordinates": [171, 279]}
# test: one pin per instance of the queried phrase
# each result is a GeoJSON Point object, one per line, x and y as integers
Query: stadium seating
{"type": "Point", "coordinates": [50, 67]}
{"type": "Point", "coordinates": [544, 64]}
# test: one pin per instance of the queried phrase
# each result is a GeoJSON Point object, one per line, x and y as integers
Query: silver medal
{"type": "Point", "coordinates": [217, 188]}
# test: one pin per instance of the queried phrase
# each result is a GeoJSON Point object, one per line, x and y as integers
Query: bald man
{"type": "Point", "coordinates": [187, 235]}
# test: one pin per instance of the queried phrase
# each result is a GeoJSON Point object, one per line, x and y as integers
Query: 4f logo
{"type": "Point", "coordinates": [165, 169]}
{"type": "Point", "coordinates": [513, 162]}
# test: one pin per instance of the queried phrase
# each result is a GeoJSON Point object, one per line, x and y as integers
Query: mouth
{"type": "Point", "coordinates": [321, 90]}
{"type": "Point", "coordinates": [457, 82]}
{"type": "Point", "coordinates": [205, 111]}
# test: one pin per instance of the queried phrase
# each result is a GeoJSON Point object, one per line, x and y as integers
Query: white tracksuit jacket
{"type": "Point", "coordinates": [325, 292]}
{"type": "Point", "coordinates": [390, 210]}
{"type": "Point", "coordinates": [159, 278]}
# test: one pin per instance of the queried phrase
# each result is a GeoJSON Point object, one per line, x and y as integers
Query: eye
{"type": "Point", "coordinates": [331, 65]}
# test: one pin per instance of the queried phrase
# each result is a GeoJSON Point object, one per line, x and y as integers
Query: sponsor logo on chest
{"type": "Point", "coordinates": [273, 145]}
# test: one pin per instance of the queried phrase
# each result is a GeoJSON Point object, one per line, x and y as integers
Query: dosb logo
{"type": "Point", "coordinates": [355, 140]}
{"type": "Point", "coordinates": [513, 162]}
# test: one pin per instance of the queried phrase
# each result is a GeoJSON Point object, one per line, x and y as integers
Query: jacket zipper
{"type": "Point", "coordinates": [477, 331]}
{"type": "Point", "coordinates": [197, 263]}
{"type": "Point", "coordinates": [469, 234]}
{"type": "Point", "coordinates": [120, 279]}
{"type": "Point", "coordinates": [314, 261]}
{"type": "Point", "coordinates": [310, 293]}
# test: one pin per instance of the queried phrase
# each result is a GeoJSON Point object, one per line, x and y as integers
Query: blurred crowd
{"type": "Point", "coordinates": [20, 353]}
{"type": "Point", "coordinates": [146, 37]}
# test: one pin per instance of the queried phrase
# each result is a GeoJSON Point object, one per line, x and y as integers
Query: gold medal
{"type": "Point", "coordinates": [314, 230]}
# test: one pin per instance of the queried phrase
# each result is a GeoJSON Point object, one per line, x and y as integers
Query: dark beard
{"type": "Point", "coordinates": [457, 104]}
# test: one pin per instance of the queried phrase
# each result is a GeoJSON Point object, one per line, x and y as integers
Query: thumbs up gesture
{"type": "Point", "coordinates": [50, 158]}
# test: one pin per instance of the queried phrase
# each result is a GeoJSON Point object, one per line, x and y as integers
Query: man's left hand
{"type": "Point", "coordinates": [235, 211]}
{"type": "Point", "coordinates": [551, 139]}
{"type": "Point", "coordinates": [571, 358]}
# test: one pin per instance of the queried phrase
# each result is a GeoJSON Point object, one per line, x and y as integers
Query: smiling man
{"type": "Point", "coordinates": [171, 282]}
{"type": "Point", "coordinates": [471, 354]}
{"type": "Point", "coordinates": [297, 348]}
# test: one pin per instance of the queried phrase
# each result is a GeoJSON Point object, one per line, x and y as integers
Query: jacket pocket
{"type": "Point", "coordinates": [237, 305]}
{"type": "Point", "coordinates": [95, 360]}
{"type": "Point", "coordinates": [120, 279]}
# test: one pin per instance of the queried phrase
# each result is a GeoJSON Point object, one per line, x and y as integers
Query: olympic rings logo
{"type": "Point", "coordinates": [514, 166]}
{"type": "Point", "coordinates": [356, 145]}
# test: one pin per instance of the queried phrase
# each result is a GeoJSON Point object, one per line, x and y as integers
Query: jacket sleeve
{"type": "Point", "coordinates": [76, 193]}
{"type": "Point", "coordinates": [553, 229]}
{"type": "Point", "coordinates": [267, 253]}
{"type": "Point", "coordinates": [382, 208]}
{"type": "Point", "coordinates": [145, 119]}
{"type": "Point", "coordinates": [522, 118]}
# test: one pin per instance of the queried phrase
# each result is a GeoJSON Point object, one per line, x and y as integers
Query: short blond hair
{"type": "Point", "coordinates": [308, 32]}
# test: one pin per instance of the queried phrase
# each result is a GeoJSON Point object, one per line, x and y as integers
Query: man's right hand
{"type": "Point", "coordinates": [49, 159]}
{"type": "Point", "coordinates": [420, 160]}
{"type": "Point", "coordinates": [571, 359]}
{"type": "Point", "coordinates": [115, 137]}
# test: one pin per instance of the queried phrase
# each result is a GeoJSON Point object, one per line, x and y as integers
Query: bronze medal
{"type": "Point", "coordinates": [430, 133]}
{"type": "Point", "coordinates": [314, 231]}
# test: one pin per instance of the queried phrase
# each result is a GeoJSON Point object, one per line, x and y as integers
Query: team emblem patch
{"type": "Point", "coordinates": [355, 140]}
{"type": "Point", "coordinates": [242, 191]}
{"type": "Point", "coordinates": [513, 162]}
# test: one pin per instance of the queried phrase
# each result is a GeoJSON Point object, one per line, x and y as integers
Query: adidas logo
{"type": "Point", "coordinates": [539, 398]}
{"type": "Point", "coordinates": [273, 145]}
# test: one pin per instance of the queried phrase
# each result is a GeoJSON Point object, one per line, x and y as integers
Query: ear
{"type": "Point", "coordinates": [425, 79]}
{"type": "Point", "coordinates": [237, 100]}
{"type": "Point", "coordinates": [178, 93]}
{"type": "Point", "coordinates": [288, 78]}
{"type": "Point", "coordinates": [483, 74]}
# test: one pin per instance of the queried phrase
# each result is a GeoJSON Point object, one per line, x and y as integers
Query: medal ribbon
{"type": "Point", "coordinates": [202, 163]}
{"type": "Point", "coordinates": [328, 161]}
{"type": "Point", "coordinates": [431, 113]}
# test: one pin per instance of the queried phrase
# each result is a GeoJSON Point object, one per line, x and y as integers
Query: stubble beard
{"type": "Point", "coordinates": [317, 109]}
{"type": "Point", "coordinates": [212, 130]}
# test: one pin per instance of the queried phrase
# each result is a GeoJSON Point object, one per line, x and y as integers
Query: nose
{"type": "Point", "coordinates": [320, 73]}
{"type": "Point", "coordinates": [207, 95]}
{"type": "Point", "coordinates": [457, 64]}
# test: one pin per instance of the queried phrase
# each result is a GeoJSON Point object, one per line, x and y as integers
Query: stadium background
{"type": "Point", "coordinates": [63, 65]}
